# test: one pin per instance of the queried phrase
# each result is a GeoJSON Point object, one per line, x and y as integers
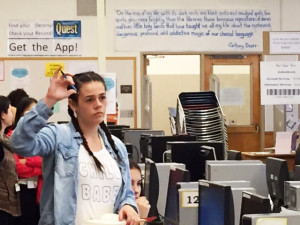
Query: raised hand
{"type": "Point", "coordinates": [57, 89]}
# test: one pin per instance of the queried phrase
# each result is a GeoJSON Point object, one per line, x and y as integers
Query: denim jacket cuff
{"type": "Point", "coordinates": [43, 109]}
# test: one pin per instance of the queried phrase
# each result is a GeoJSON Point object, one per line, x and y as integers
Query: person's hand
{"type": "Point", "coordinates": [22, 161]}
{"type": "Point", "coordinates": [58, 89]}
{"type": "Point", "coordinates": [144, 206]}
{"type": "Point", "coordinates": [130, 215]}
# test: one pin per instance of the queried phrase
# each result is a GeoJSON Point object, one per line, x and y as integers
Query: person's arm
{"type": "Point", "coordinates": [35, 161]}
{"type": "Point", "coordinates": [32, 136]}
{"type": "Point", "coordinates": [26, 171]}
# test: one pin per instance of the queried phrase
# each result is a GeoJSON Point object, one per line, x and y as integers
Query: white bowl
{"type": "Point", "coordinates": [106, 219]}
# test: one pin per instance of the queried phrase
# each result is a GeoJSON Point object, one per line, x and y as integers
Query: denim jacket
{"type": "Point", "coordinates": [59, 144]}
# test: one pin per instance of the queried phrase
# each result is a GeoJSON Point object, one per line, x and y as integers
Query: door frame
{"type": "Point", "coordinates": [257, 123]}
{"type": "Point", "coordinates": [251, 59]}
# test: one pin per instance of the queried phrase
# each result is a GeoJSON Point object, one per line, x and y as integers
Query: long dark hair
{"type": "Point", "coordinates": [22, 105]}
{"type": "Point", "coordinates": [16, 95]}
{"type": "Point", "coordinates": [4, 105]}
{"type": "Point", "coordinates": [134, 165]}
{"type": "Point", "coordinates": [79, 80]}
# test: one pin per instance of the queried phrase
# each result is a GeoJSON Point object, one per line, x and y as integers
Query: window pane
{"type": "Point", "coordinates": [173, 64]}
{"type": "Point", "coordinates": [235, 92]}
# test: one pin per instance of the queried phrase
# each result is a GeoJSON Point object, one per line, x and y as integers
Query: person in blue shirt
{"type": "Point", "coordinates": [85, 169]}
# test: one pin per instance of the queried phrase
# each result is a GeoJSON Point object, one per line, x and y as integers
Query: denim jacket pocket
{"type": "Point", "coordinates": [66, 161]}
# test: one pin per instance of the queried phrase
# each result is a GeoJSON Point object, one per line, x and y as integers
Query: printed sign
{"type": "Point", "coordinates": [284, 42]}
{"type": "Point", "coordinates": [20, 77]}
{"type": "Point", "coordinates": [67, 29]}
{"type": "Point", "coordinates": [44, 38]}
{"type": "Point", "coordinates": [280, 83]}
{"type": "Point", "coordinates": [111, 92]}
{"type": "Point", "coordinates": [126, 89]}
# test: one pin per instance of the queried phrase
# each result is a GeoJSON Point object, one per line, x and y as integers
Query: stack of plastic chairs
{"type": "Point", "coordinates": [199, 114]}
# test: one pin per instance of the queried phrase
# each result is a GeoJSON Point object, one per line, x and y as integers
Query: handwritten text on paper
{"type": "Point", "coordinates": [200, 23]}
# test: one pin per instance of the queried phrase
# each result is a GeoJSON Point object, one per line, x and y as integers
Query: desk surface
{"type": "Point", "coordinates": [268, 154]}
{"type": "Point", "coordinates": [290, 158]}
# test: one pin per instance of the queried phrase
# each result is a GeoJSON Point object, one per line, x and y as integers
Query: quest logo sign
{"type": "Point", "coordinates": [67, 29]}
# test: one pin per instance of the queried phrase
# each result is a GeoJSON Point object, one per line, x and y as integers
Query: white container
{"type": "Point", "coordinates": [106, 219]}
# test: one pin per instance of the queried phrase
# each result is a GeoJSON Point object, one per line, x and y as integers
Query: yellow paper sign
{"type": "Point", "coordinates": [52, 67]}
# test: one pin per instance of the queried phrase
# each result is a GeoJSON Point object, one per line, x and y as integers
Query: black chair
{"type": "Point", "coordinates": [234, 155]}
{"type": "Point", "coordinates": [297, 156]}
{"type": "Point", "coordinates": [297, 173]}
{"type": "Point", "coordinates": [277, 173]}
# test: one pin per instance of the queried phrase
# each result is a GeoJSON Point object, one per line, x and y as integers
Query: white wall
{"type": "Point", "coordinates": [97, 33]}
{"type": "Point", "coordinates": [290, 15]}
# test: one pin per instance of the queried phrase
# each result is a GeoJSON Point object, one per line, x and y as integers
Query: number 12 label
{"type": "Point", "coordinates": [190, 199]}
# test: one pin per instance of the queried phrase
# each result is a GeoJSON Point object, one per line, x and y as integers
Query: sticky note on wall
{"type": "Point", "coordinates": [52, 67]}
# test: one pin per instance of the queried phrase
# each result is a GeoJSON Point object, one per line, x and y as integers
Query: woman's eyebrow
{"type": "Point", "coordinates": [88, 96]}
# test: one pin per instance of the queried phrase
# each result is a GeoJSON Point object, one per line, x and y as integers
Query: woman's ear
{"type": "Point", "coordinates": [2, 116]}
{"type": "Point", "coordinates": [72, 104]}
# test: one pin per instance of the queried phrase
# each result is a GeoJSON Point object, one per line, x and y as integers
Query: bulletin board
{"type": "Point", "coordinates": [125, 70]}
{"type": "Point", "coordinates": [31, 75]}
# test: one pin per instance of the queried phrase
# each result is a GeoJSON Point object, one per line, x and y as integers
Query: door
{"type": "Point", "coordinates": [164, 78]}
{"type": "Point", "coordinates": [238, 90]}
